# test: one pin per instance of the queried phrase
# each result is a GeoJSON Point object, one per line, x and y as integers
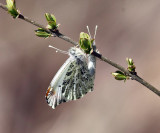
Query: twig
{"type": "Point", "coordinates": [66, 38]}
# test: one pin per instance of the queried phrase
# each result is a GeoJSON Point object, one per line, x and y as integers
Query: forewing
{"type": "Point", "coordinates": [54, 92]}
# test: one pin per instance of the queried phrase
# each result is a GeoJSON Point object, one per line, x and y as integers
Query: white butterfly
{"type": "Point", "coordinates": [74, 79]}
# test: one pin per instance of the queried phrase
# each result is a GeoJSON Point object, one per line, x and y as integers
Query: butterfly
{"type": "Point", "coordinates": [74, 79]}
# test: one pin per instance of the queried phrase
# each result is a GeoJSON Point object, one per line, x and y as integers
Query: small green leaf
{"type": "Point", "coordinates": [42, 33]}
{"type": "Point", "coordinates": [51, 21]}
{"type": "Point", "coordinates": [118, 75]}
{"type": "Point", "coordinates": [85, 42]}
{"type": "Point", "coordinates": [11, 5]}
{"type": "Point", "coordinates": [129, 61]}
{"type": "Point", "coordinates": [131, 66]}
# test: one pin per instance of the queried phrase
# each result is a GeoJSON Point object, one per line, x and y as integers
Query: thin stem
{"type": "Point", "coordinates": [133, 76]}
{"type": "Point", "coordinates": [66, 38]}
{"type": "Point", "coordinates": [3, 7]}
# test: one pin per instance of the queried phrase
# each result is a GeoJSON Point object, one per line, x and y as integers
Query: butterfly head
{"type": "Point", "coordinates": [76, 52]}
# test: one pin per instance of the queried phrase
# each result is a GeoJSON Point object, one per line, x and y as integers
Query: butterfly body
{"type": "Point", "coordinates": [73, 80]}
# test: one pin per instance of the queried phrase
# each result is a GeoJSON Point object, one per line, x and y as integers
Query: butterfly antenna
{"type": "Point", "coordinates": [58, 50]}
{"type": "Point", "coordinates": [95, 31]}
{"type": "Point", "coordinates": [88, 31]}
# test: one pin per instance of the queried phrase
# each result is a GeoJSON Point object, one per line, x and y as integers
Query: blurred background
{"type": "Point", "coordinates": [127, 28]}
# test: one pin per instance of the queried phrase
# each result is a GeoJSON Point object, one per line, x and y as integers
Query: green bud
{"type": "Point", "coordinates": [51, 21]}
{"type": "Point", "coordinates": [11, 5]}
{"type": "Point", "coordinates": [42, 33]}
{"type": "Point", "coordinates": [118, 75]}
{"type": "Point", "coordinates": [131, 66]}
{"type": "Point", "coordinates": [85, 42]}
{"type": "Point", "coordinates": [129, 61]}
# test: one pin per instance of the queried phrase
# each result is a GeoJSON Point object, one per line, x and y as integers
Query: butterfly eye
{"type": "Point", "coordinates": [72, 51]}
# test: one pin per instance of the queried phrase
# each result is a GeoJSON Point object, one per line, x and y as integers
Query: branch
{"type": "Point", "coordinates": [133, 76]}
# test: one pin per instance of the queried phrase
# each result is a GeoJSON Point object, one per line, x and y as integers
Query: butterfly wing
{"type": "Point", "coordinates": [53, 93]}
{"type": "Point", "coordinates": [77, 81]}
{"type": "Point", "coordinates": [71, 82]}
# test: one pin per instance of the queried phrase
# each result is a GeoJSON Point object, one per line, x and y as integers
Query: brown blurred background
{"type": "Point", "coordinates": [127, 28]}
